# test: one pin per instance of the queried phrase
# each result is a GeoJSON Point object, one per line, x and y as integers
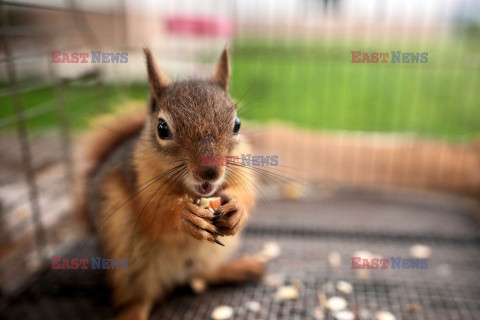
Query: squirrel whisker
{"type": "Point", "coordinates": [152, 181]}
{"type": "Point", "coordinates": [241, 174]}
{"type": "Point", "coordinates": [169, 178]}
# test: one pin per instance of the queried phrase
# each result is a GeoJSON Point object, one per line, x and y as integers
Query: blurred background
{"type": "Point", "coordinates": [402, 135]}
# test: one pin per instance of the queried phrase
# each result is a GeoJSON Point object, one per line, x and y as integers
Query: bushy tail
{"type": "Point", "coordinates": [109, 131]}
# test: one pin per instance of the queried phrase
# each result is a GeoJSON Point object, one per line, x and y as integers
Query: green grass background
{"type": "Point", "coordinates": [316, 86]}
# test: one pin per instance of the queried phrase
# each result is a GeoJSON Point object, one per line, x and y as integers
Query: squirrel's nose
{"type": "Point", "coordinates": [209, 173]}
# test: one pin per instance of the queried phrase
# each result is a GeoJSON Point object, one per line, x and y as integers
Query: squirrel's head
{"type": "Point", "coordinates": [190, 119]}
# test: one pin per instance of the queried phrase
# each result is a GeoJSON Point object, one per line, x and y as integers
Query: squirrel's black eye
{"type": "Point", "coordinates": [163, 130]}
{"type": "Point", "coordinates": [236, 126]}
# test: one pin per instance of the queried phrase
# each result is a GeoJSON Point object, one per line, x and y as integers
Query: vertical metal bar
{"type": "Point", "coordinates": [124, 25]}
{"type": "Point", "coordinates": [64, 126]}
{"type": "Point", "coordinates": [23, 138]}
{"type": "Point", "coordinates": [80, 19]}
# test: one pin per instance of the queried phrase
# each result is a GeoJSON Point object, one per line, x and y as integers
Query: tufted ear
{"type": "Point", "coordinates": [222, 71]}
{"type": "Point", "coordinates": [157, 79]}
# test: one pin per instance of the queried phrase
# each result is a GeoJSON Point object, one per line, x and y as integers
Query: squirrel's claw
{"type": "Point", "coordinates": [233, 217]}
{"type": "Point", "coordinates": [198, 223]}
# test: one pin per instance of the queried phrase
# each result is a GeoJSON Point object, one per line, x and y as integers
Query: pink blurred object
{"type": "Point", "coordinates": [200, 25]}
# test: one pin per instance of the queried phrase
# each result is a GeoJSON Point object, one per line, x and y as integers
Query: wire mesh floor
{"type": "Point", "coordinates": [447, 289]}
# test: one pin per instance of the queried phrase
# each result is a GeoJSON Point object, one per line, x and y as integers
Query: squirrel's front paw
{"type": "Point", "coordinates": [198, 223]}
{"type": "Point", "coordinates": [230, 216]}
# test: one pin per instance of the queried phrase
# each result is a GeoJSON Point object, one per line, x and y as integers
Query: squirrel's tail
{"type": "Point", "coordinates": [109, 132]}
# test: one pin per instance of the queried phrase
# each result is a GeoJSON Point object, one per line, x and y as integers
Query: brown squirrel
{"type": "Point", "coordinates": [144, 171]}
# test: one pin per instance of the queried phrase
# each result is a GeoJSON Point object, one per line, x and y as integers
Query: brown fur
{"type": "Point", "coordinates": [166, 238]}
{"type": "Point", "coordinates": [110, 132]}
{"type": "Point", "coordinates": [222, 71]}
{"type": "Point", "coordinates": [157, 79]}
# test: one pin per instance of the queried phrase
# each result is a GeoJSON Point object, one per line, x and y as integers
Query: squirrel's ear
{"type": "Point", "coordinates": [158, 80]}
{"type": "Point", "coordinates": [222, 71]}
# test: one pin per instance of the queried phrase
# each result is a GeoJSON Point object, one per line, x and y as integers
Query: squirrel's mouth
{"type": "Point", "coordinates": [205, 188]}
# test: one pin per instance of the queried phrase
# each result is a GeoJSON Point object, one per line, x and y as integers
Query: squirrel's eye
{"type": "Point", "coordinates": [163, 130]}
{"type": "Point", "coordinates": [236, 126]}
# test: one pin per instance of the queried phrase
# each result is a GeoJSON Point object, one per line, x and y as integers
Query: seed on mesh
{"type": "Point", "coordinates": [344, 315]}
{"type": "Point", "coordinates": [334, 259]}
{"type": "Point", "coordinates": [344, 287]}
{"type": "Point", "coordinates": [336, 304]}
{"type": "Point", "coordinates": [420, 251]}
{"type": "Point", "coordinates": [363, 274]}
{"type": "Point", "coordinates": [270, 251]}
{"type": "Point", "coordinates": [286, 293]}
{"type": "Point", "coordinates": [364, 254]}
{"type": "Point", "coordinates": [274, 280]}
{"type": "Point", "coordinates": [198, 285]}
{"type": "Point", "coordinates": [222, 313]}
{"type": "Point", "coordinates": [253, 306]}
{"type": "Point", "coordinates": [318, 313]}
{"type": "Point", "coordinates": [322, 298]}
{"type": "Point", "coordinates": [384, 315]}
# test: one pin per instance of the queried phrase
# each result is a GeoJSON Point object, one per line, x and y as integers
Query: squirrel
{"type": "Point", "coordinates": [141, 176]}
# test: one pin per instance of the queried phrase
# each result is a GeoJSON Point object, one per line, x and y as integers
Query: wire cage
{"type": "Point", "coordinates": [37, 164]}
{"type": "Point", "coordinates": [385, 149]}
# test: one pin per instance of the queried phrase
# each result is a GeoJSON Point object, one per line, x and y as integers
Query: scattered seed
{"type": "Point", "coordinates": [336, 304]}
{"type": "Point", "coordinates": [198, 285]}
{"type": "Point", "coordinates": [222, 313]}
{"type": "Point", "coordinates": [384, 315]}
{"type": "Point", "coordinates": [420, 251]}
{"type": "Point", "coordinates": [363, 274]}
{"type": "Point", "coordinates": [286, 293]}
{"type": "Point", "coordinates": [364, 254]}
{"type": "Point", "coordinates": [344, 287]}
{"type": "Point", "coordinates": [270, 251]}
{"type": "Point", "coordinates": [253, 306]}
{"type": "Point", "coordinates": [334, 259]}
{"type": "Point", "coordinates": [318, 313]}
{"type": "Point", "coordinates": [322, 298]}
{"type": "Point", "coordinates": [344, 315]}
{"type": "Point", "coordinates": [274, 280]}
